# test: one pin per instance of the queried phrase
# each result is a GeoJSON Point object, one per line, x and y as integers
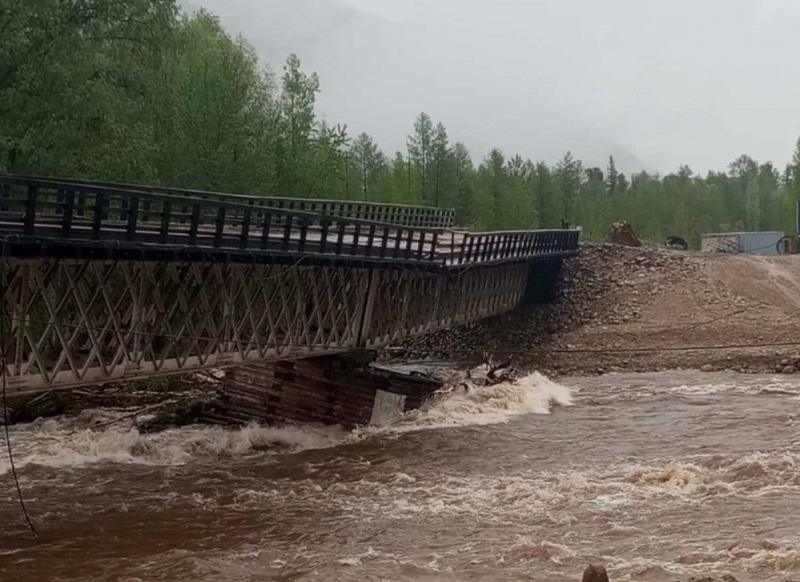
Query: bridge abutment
{"type": "Point", "coordinates": [543, 281]}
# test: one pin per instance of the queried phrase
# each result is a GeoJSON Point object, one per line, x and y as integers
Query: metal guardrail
{"type": "Point", "coordinates": [397, 214]}
{"type": "Point", "coordinates": [491, 247]}
{"type": "Point", "coordinates": [69, 212]}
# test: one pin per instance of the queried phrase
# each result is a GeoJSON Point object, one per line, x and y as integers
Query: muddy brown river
{"type": "Point", "coordinates": [657, 476]}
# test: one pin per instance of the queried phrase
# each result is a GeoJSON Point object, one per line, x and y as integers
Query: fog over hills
{"type": "Point", "coordinates": [646, 82]}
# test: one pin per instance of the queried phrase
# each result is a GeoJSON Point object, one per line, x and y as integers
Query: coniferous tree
{"type": "Point", "coordinates": [420, 152]}
{"type": "Point", "coordinates": [492, 185]}
{"type": "Point", "coordinates": [569, 177]}
{"type": "Point", "coordinates": [371, 164]}
{"type": "Point", "coordinates": [439, 166]}
{"type": "Point", "coordinates": [465, 191]}
{"type": "Point", "coordinates": [612, 177]}
{"type": "Point", "coordinates": [296, 126]}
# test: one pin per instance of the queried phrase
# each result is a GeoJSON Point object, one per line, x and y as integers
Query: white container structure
{"type": "Point", "coordinates": [751, 243]}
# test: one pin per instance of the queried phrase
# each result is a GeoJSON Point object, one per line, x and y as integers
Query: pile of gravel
{"type": "Point", "coordinates": [605, 284]}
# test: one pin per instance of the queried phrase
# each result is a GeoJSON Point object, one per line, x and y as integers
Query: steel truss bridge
{"type": "Point", "coordinates": [104, 282]}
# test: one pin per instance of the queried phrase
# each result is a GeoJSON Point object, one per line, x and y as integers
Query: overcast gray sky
{"type": "Point", "coordinates": [656, 83]}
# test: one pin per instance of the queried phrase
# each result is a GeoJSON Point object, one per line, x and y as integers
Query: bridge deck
{"type": "Point", "coordinates": [69, 212]}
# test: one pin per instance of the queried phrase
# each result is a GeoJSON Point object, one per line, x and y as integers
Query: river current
{"type": "Point", "coordinates": [656, 476]}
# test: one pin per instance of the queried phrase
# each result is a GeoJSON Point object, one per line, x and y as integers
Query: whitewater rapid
{"type": "Point", "coordinates": [657, 476]}
{"type": "Point", "coordinates": [73, 442]}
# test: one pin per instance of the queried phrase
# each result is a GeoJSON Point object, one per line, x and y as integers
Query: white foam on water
{"type": "Point", "coordinates": [613, 501]}
{"type": "Point", "coordinates": [370, 556]}
{"type": "Point", "coordinates": [640, 568]}
{"type": "Point", "coordinates": [611, 492]}
{"type": "Point", "coordinates": [532, 394]}
{"type": "Point", "coordinates": [72, 442]}
{"type": "Point", "coordinates": [54, 443]}
{"type": "Point", "coordinates": [617, 530]}
{"type": "Point", "coordinates": [528, 550]}
{"type": "Point", "coordinates": [710, 389]}
{"type": "Point", "coordinates": [747, 386]}
{"type": "Point", "coordinates": [781, 559]}
{"type": "Point", "coordinates": [760, 556]}
{"type": "Point", "coordinates": [680, 478]}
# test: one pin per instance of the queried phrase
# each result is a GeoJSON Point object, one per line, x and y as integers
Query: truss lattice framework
{"type": "Point", "coordinates": [73, 322]}
{"type": "Point", "coordinates": [70, 322]}
{"type": "Point", "coordinates": [408, 303]}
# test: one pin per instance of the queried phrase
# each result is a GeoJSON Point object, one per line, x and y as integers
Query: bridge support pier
{"type": "Point", "coordinates": [340, 389]}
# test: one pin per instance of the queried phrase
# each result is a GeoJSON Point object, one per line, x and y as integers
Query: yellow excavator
{"type": "Point", "coordinates": [622, 233]}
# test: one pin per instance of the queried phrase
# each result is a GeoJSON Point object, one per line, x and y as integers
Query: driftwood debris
{"type": "Point", "coordinates": [488, 374]}
{"type": "Point", "coordinates": [498, 373]}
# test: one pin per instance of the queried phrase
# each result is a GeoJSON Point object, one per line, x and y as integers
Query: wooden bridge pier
{"type": "Point", "coordinates": [341, 389]}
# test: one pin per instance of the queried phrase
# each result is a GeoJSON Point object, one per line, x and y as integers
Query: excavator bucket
{"type": "Point", "coordinates": [622, 233]}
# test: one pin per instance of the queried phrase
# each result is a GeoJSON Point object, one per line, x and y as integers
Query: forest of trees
{"type": "Point", "coordinates": [138, 91]}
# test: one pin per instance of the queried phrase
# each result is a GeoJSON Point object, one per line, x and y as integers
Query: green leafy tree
{"type": "Point", "coordinates": [569, 177]}
{"type": "Point", "coordinates": [520, 206]}
{"type": "Point", "coordinates": [492, 182]}
{"type": "Point", "coordinates": [401, 185]}
{"type": "Point", "coordinates": [594, 175]}
{"type": "Point", "coordinates": [296, 123]}
{"type": "Point", "coordinates": [791, 183]}
{"type": "Point", "coordinates": [74, 84]}
{"type": "Point", "coordinates": [465, 184]}
{"type": "Point", "coordinates": [329, 162]}
{"type": "Point", "coordinates": [420, 152]}
{"type": "Point", "coordinates": [213, 124]}
{"type": "Point", "coordinates": [136, 91]}
{"type": "Point", "coordinates": [612, 177]}
{"type": "Point", "coordinates": [741, 171]}
{"type": "Point", "coordinates": [441, 167]}
{"type": "Point", "coordinates": [548, 195]}
{"type": "Point", "coordinates": [371, 164]}
{"type": "Point", "coordinates": [753, 206]}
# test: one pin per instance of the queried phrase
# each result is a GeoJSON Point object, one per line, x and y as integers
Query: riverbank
{"type": "Point", "coordinates": [620, 309]}
{"type": "Point", "coordinates": [638, 310]}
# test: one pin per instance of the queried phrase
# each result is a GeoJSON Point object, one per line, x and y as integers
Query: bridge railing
{"type": "Point", "coordinates": [397, 214]}
{"type": "Point", "coordinates": [67, 211]}
{"type": "Point", "coordinates": [84, 212]}
{"type": "Point", "coordinates": [489, 247]}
